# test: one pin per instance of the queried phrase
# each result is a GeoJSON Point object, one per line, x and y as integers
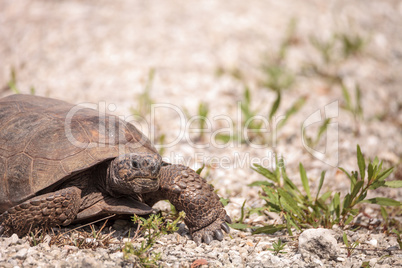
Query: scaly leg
{"type": "Point", "coordinates": [187, 191]}
{"type": "Point", "coordinates": [47, 210]}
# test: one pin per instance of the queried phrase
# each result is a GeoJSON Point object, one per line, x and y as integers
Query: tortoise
{"type": "Point", "coordinates": [62, 163]}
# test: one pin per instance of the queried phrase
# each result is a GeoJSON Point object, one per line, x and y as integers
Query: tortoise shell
{"type": "Point", "coordinates": [44, 142]}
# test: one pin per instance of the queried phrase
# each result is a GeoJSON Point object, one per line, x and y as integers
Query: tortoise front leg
{"type": "Point", "coordinates": [47, 210]}
{"type": "Point", "coordinates": [187, 191]}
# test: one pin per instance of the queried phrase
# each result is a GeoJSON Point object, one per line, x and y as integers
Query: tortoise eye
{"type": "Point", "coordinates": [135, 164]}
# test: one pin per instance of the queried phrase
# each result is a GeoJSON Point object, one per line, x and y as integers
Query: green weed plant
{"type": "Point", "coordinates": [303, 209]}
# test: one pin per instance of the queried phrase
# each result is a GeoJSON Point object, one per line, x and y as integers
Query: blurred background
{"type": "Point", "coordinates": [278, 60]}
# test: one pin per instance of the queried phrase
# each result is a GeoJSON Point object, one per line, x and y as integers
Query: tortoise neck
{"type": "Point", "coordinates": [107, 180]}
{"type": "Point", "coordinates": [101, 177]}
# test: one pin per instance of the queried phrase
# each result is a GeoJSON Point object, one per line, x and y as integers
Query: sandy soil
{"type": "Point", "coordinates": [103, 51]}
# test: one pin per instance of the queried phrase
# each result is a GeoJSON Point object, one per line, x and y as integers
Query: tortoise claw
{"type": "Point", "coordinates": [1, 229]}
{"type": "Point", "coordinates": [225, 227]}
{"type": "Point", "coordinates": [228, 219]}
{"type": "Point", "coordinates": [207, 239]}
{"type": "Point", "coordinates": [218, 235]}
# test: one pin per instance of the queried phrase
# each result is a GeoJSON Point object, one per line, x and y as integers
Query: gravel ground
{"type": "Point", "coordinates": [103, 51]}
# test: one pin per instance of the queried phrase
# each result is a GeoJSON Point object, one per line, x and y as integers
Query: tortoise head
{"type": "Point", "coordinates": [134, 173]}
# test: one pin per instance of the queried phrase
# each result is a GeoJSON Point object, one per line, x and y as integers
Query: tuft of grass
{"type": "Point", "coordinates": [398, 237]}
{"type": "Point", "coordinates": [334, 52]}
{"type": "Point", "coordinates": [35, 237]}
{"type": "Point", "coordinates": [324, 47]}
{"type": "Point", "coordinates": [339, 47]}
{"type": "Point", "coordinates": [32, 90]}
{"type": "Point", "coordinates": [356, 108]}
{"type": "Point", "coordinates": [150, 229]}
{"type": "Point", "coordinates": [250, 117]}
{"type": "Point", "coordinates": [12, 84]}
{"type": "Point", "coordinates": [312, 142]}
{"type": "Point", "coordinates": [203, 111]}
{"type": "Point", "coordinates": [301, 209]}
{"type": "Point", "coordinates": [296, 106]}
{"type": "Point", "coordinates": [249, 122]}
{"type": "Point", "coordinates": [253, 122]}
{"type": "Point", "coordinates": [277, 247]}
{"type": "Point", "coordinates": [239, 223]}
{"type": "Point", "coordinates": [82, 239]}
{"type": "Point", "coordinates": [350, 248]}
{"type": "Point", "coordinates": [200, 119]}
{"type": "Point", "coordinates": [352, 43]}
{"type": "Point", "coordinates": [277, 77]}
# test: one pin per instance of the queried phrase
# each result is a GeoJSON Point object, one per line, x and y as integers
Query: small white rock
{"type": "Point", "coordinates": [117, 255]}
{"type": "Point", "coordinates": [318, 243]}
{"type": "Point", "coordinates": [22, 253]}
{"type": "Point", "coordinates": [373, 262]}
{"type": "Point", "coordinates": [90, 240]}
{"type": "Point", "coordinates": [12, 240]}
{"type": "Point", "coordinates": [373, 242]}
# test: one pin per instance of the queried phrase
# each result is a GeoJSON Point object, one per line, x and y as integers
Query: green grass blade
{"type": "Point", "coordinates": [370, 172]}
{"type": "Point", "coordinates": [359, 109]}
{"type": "Point", "coordinates": [200, 169]}
{"type": "Point", "coordinates": [346, 204]}
{"type": "Point", "coordinates": [239, 226]}
{"type": "Point", "coordinates": [376, 185]}
{"type": "Point", "coordinates": [361, 163]}
{"type": "Point", "coordinates": [224, 201]}
{"type": "Point", "coordinates": [384, 214]}
{"type": "Point", "coordinates": [356, 189]}
{"type": "Point", "coordinates": [247, 96]}
{"type": "Point", "coordinates": [242, 212]}
{"type": "Point", "coordinates": [335, 205]}
{"type": "Point", "coordinates": [326, 195]}
{"type": "Point", "coordinates": [320, 184]}
{"type": "Point", "coordinates": [270, 229]}
{"type": "Point", "coordinates": [265, 172]}
{"type": "Point", "coordinates": [289, 202]}
{"type": "Point", "coordinates": [385, 174]}
{"type": "Point", "coordinates": [393, 184]}
{"type": "Point", "coordinates": [383, 201]}
{"type": "Point", "coordinates": [288, 183]}
{"type": "Point", "coordinates": [297, 105]}
{"type": "Point", "coordinates": [323, 128]}
{"type": "Point", "coordinates": [352, 179]}
{"type": "Point", "coordinates": [346, 96]}
{"type": "Point", "coordinates": [261, 183]}
{"type": "Point", "coordinates": [345, 240]}
{"type": "Point", "coordinates": [275, 105]}
{"type": "Point", "coordinates": [304, 180]}
{"type": "Point", "coordinates": [349, 219]}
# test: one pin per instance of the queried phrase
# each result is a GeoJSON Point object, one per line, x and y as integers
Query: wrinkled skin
{"type": "Point", "coordinates": [130, 184]}
{"type": "Point", "coordinates": [188, 191]}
